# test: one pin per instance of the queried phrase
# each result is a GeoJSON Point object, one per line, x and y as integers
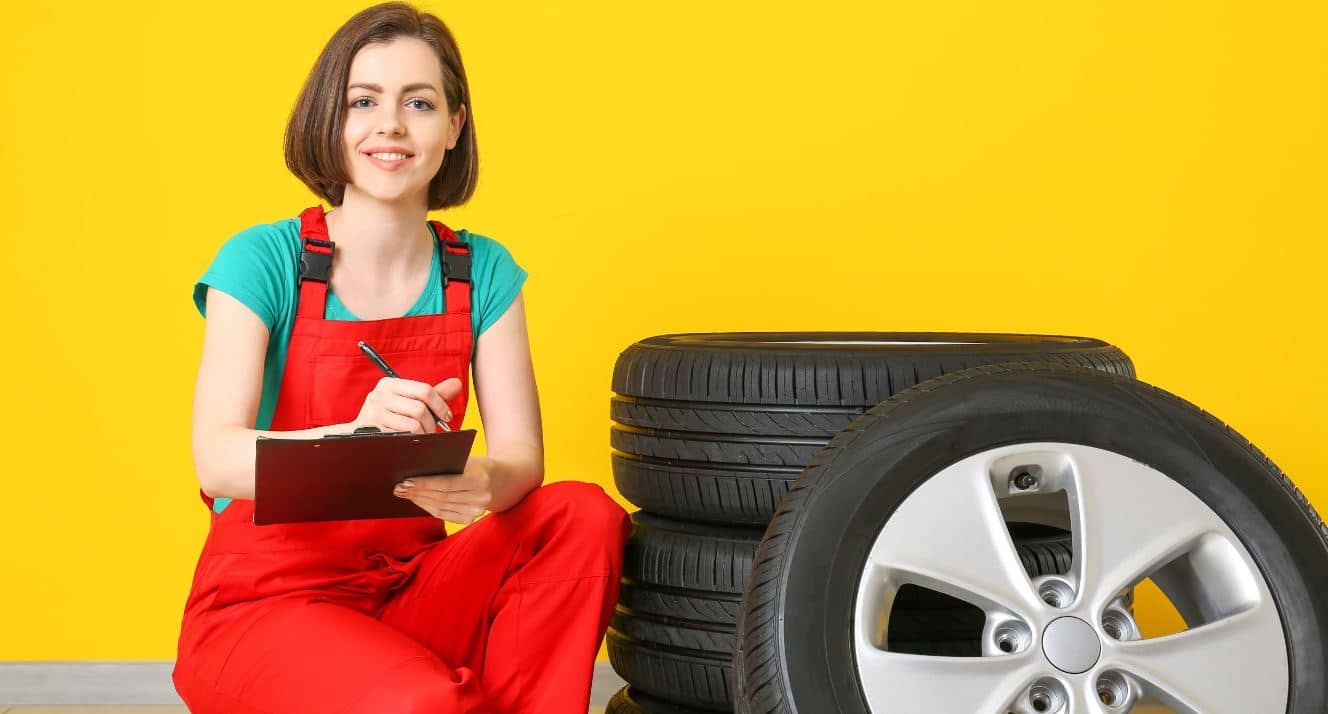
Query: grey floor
{"type": "Point", "coordinates": [145, 688]}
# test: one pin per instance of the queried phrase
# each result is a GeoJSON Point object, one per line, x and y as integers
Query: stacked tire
{"type": "Point", "coordinates": [710, 432]}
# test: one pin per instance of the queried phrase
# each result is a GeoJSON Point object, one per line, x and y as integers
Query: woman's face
{"type": "Point", "coordinates": [397, 123]}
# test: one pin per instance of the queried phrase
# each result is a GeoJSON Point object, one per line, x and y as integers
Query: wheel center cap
{"type": "Point", "coordinates": [1071, 645]}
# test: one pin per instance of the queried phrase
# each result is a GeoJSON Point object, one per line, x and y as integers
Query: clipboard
{"type": "Point", "coordinates": [349, 476]}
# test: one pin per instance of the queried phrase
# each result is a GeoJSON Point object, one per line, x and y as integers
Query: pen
{"type": "Point", "coordinates": [382, 364]}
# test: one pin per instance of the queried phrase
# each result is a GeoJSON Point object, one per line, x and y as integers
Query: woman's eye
{"type": "Point", "coordinates": [416, 103]}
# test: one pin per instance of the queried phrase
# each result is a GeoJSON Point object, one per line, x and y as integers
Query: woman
{"type": "Point", "coordinates": [386, 615]}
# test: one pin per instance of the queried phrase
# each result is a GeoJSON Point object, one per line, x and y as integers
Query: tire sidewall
{"type": "Point", "coordinates": [855, 491]}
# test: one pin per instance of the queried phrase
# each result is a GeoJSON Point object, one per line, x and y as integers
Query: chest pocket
{"type": "Point", "coordinates": [341, 382]}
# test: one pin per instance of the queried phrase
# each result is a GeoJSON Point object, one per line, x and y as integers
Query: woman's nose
{"type": "Point", "coordinates": [389, 124]}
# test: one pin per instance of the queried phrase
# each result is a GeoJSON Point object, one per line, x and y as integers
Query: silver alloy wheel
{"type": "Point", "coordinates": [1129, 522]}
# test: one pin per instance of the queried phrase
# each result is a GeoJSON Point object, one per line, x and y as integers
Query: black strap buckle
{"type": "Point", "coordinates": [315, 265]}
{"type": "Point", "coordinates": [456, 266]}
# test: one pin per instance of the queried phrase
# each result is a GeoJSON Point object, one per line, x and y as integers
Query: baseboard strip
{"type": "Point", "coordinates": [147, 683]}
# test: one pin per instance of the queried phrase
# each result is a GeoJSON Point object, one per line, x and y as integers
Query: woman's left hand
{"type": "Point", "coordinates": [457, 498]}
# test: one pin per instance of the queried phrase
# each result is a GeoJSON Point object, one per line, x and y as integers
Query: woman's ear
{"type": "Point", "coordinates": [458, 120]}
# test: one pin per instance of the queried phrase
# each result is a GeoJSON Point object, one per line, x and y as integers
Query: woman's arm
{"type": "Point", "coordinates": [229, 385]}
{"type": "Point", "coordinates": [226, 395]}
{"type": "Point", "coordinates": [509, 407]}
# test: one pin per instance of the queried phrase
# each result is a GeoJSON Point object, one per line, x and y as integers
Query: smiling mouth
{"type": "Point", "coordinates": [388, 156]}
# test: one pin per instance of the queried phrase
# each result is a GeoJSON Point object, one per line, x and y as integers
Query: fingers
{"type": "Point", "coordinates": [449, 388]}
{"type": "Point", "coordinates": [374, 414]}
{"type": "Point", "coordinates": [441, 490]}
{"type": "Point", "coordinates": [450, 483]}
{"type": "Point", "coordinates": [462, 519]}
{"type": "Point", "coordinates": [406, 414]}
{"type": "Point", "coordinates": [460, 515]}
{"type": "Point", "coordinates": [424, 394]}
{"type": "Point", "coordinates": [455, 506]}
{"type": "Point", "coordinates": [449, 499]}
{"type": "Point", "coordinates": [438, 398]}
{"type": "Point", "coordinates": [445, 509]}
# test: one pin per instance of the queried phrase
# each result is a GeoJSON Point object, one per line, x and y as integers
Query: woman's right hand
{"type": "Point", "coordinates": [399, 405]}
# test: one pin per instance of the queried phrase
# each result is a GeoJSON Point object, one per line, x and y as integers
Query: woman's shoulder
{"type": "Point", "coordinates": [255, 265]}
{"type": "Point", "coordinates": [475, 240]}
{"type": "Point", "coordinates": [271, 249]}
{"type": "Point", "coordinates": [263, 247]}
{"type": "Point", "coordinates": [280, 237]}
{"type": "Point", "coordinates": [483, 248]}
{"type": "Point", "coordinates": [496, 277]}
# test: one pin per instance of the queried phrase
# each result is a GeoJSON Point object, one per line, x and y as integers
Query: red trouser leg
{"type": "Point", "coordinates": [504, 616]}
{"type": "Point", "coordinates": [523, 597]}
{"type": "Point", "coordinates": [300, 656]}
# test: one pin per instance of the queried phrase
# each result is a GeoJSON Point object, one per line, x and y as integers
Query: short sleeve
{"type": "Point", "coordinates": [497, 279]}
{"type": "Point", "coordinates": [251, 267]}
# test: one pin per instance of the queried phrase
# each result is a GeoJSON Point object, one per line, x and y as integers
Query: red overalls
{"type": "Point", "coordinates": [392, 615]}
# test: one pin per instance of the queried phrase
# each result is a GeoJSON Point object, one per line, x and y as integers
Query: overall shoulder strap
{"type": "Point", "coordinates": [456, 269]}
{"type": "Point", "coordinates": [315, 263]}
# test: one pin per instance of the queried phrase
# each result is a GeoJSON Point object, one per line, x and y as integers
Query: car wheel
{"type": "Point", "coordinates": [1155, 490]}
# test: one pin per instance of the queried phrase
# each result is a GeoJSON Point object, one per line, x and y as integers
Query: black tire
{"type": "Point", "coordinates": [672, 636]}
{"type": "Point", "coordinates": [715, 427]}
{"type": "Point", "coordinates": [737, 494]}
{"type": "Point", "coordinates": [672, 633]}
{"type": "Point", "coordinates": [808, 564]}
{"type": "Point", "coordinates": [629, 701]}
{"type": "Point", "coordinates": [689, 557]}
{"type": "Point", "coordinates": [693, 679]}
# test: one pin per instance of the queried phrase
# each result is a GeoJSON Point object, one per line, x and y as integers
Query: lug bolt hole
{"type": "Point", "coordinates": [1024, 479]}
{"type": "Point", "coordinates": [1056, 593]}
{"type": "Point", "coordinates": [1010, 637]}
{"type": "Point", "coordinates": [1116, 626]}
{"type": "Point", "coordinates": [1113, 690]}
{"type": "Point", "coordinates": [1047, 696]}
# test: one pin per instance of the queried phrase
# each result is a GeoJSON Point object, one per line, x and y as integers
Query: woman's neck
{"type": "Point", "coordinates": [384, 242]}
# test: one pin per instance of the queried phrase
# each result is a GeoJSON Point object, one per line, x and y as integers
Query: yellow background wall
{"type": "Point", "coordinates": [1149, 173]}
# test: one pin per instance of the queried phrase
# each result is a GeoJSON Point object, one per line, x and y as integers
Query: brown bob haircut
{"type": "Point", "coordinates": [314, 151]}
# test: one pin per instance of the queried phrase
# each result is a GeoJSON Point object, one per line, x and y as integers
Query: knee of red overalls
{"type": "Point", "coordinates": [420, 686]}
{"type": "Point", "coordinates": [582, 524]}
{"type": "Point", "coordinates": [425, 686]}
{"type": "Point", "coordinates": [278, 680]}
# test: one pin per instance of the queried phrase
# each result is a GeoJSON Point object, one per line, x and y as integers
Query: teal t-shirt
{"type": "Point", "coordinates": [259, 266]}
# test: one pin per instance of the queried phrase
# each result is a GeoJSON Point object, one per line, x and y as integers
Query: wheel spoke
{"type": "Point", "coordinates": [949, 536]}
{"type": "Point", "coordinates": [1084, 698]}
{"type": "Point", "coordinates": [919, 683]}
{"type": "Point", "coordinates": [1231, 666]}
{"type": "Point", "coordinates": [1128, 521]}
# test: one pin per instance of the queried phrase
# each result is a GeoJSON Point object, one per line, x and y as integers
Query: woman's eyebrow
{"type": "Point", "coordinates": [379, 89]}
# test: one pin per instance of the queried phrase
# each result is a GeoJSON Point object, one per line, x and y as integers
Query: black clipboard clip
{"type": "Point", "coordinates": [365, 431]}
